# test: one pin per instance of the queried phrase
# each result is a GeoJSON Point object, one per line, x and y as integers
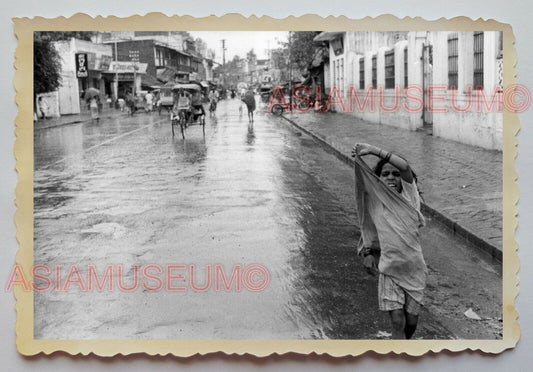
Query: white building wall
{"type": "Point", "coordinates": [467, 118]}
{"type": "Point", "coordinates": [68, 92]}
{"type": "Point", "coordinates": [474, 125]}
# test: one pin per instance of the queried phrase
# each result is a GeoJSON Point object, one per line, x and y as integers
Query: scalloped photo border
{"type": "Point", "coordinates": [23, 150]}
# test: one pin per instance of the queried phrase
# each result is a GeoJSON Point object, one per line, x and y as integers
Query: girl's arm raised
{"type": "Point", "coordinates": [363, 149]}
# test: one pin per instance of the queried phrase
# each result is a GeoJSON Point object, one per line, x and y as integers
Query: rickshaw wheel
{"type": "Point", "coordinates": [277, 110]}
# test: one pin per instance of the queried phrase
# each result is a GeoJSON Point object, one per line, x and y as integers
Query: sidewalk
{"type": "Point", "coordinates": [84, 116]}
{"type": "Point", "coordinates": [461, 185]}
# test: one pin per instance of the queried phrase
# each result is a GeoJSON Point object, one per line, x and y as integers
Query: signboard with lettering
{"type": "Point", "coordinates": [91, 60]}
{"type": "Point", "coordinates": [125, 77]}
{"type": "Point", "coordinates": [82, 70]}
{"type": "Point", "coordinates": [104, 62]}
{"type": "Point", "coordinates": [131, 67]}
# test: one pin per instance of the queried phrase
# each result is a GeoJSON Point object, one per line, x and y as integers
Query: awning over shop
{"type": "Point", "coordinates": [166, 74]}
{"type": "Point", "coordinates": [150, 82]}
{"type": "Point", "coordinates": [328, 36]}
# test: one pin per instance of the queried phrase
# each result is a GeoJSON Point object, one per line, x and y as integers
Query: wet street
{"type": "Point", "coordinates": [125, 194]}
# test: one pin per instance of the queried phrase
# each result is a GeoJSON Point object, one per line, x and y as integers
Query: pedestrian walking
{"type": "Point", "coordinates": [121, 104]}
{"type": "Point", "coordinates": [93, 105]}
{"type": "Point", "coordinates": [388, 207]}
{"type": "Point", "coordinates": [149, 97]}
{"type": "Point", "coordinates": [43, 108]}
{"type": "Point", "coordinates": [213, 99]}
{"type": "Point", "coordinates": [249, 100]}
{"type": "Point", "coordinates": [196, 102]}
{"type": "Point", "coordinates": [130, 103]}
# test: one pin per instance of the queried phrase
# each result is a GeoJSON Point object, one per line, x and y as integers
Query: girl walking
{"type": "Point", "coordinates": [388, 207]}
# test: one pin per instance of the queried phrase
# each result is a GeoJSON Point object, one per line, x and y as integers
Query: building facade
{"type": "Point", "coordinates": [447, 82]}
{"type": "Point", "coordinates": [70, 93]}
{"type": "Point", "coordinates": [163, 64]}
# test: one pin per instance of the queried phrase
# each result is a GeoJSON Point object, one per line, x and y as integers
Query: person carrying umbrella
{"type": "Point", "coordinates": [93, 105]}
{"type": "Point", "coordinates": [91, 95]}
{"type": "Point", "coordinates": [249, 100]}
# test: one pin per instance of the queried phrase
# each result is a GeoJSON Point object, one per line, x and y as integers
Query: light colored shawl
{"type": "Point", "coordinates": [389, 222]}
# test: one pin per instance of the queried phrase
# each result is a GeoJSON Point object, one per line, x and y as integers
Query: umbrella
{"type": "Point", "coordinates": [90, 93]}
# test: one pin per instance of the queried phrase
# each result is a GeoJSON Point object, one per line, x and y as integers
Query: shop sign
{"type": "Point", "coordinates": [82, 70]}
{"type": "Point", "coordinates": [91, 60]}
{"type": "Point", "coordinates": [125, 77]}
{"type": "Point", "coordinates": [104, 62]}
{"type": "Point", "coordinates": [117, 67]}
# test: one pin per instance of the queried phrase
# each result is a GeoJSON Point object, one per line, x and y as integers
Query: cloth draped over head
{"type": "Point", "coordinates": [390, 223]}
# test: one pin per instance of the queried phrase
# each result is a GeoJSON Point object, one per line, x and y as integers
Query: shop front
{"type": "Point", "coordinates": [125, 77]}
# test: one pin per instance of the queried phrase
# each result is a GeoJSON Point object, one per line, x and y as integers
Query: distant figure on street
{"type": "Point", "coordinates": [196, 102]}
{"type": "Point", "coordinates": [388, 207]}
{"type": "Point", "coordinates": [121, 104]}
{"type": "Point", "coordinates": [93, 104]}
{"type": "Point", "coordinates": [149, 97]}
{"type": "Point", "coordinates": [182, 102]}
{"type": "Point", "coordinates": [249, 100]}
{"type": "Point", "coordinates": [43, 108]}
{"type": "Point", "coordinates": [213, 100]}
{"type": "Point", "coordinates": [130, 103]}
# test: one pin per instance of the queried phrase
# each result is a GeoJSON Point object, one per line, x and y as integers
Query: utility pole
{"type": "Point", "coordinates": [223, 61]}
{"type": "Point", "coordinates": [116, 74]}
{"type": "Point", "coordinates": [290, 72]}
{"type": "Point", "coordinates": [223, 52]}
{"type": "Point", "coordinates": [134, 56]}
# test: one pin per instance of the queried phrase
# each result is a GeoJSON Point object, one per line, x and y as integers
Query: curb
{"type": "Point", "coordinates": [75, 121]}
{"type": "Point", "coordinates": [457, 229]}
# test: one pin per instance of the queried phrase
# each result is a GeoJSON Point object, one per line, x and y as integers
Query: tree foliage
{"type": "Point", "coordinates": [46, 67]}
{"type": "Point", "coordinates": [64, 35]}
{"type": "Point", "coordinates": [303, 48]}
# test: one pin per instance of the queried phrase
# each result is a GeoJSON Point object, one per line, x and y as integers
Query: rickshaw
{"type": "Point", "coordinates": [183, 113]}
{"type": "Point", "coordinates": [265, 91]}
{"type": "Point", "coordinates": [165, 100]}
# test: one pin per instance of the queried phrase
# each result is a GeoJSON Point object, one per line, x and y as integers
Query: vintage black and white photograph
{"type": "Point", "coordinates": [268, 185]}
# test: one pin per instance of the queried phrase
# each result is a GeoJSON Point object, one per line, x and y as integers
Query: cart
{"type": "Point", "coordinates": [183, 114]}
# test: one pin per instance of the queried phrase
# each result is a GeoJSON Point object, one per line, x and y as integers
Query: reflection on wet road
{"type": "Point", "coordinates": [124, 192]}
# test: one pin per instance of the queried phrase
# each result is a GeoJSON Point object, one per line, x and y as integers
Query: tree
{"type": "Point", "coordinates": [46, 65]}
{"type": "Point", "coordinates": [302, 48]}
{"type": "Point", "coordinates": [251, 56]}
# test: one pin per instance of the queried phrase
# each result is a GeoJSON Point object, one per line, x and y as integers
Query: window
{"type": "Point", "coordinates": [389, 69]}
{"type": "Point", "coordinates": [478, 60]}
{"type": "Point", "coordinates": [168, 60]}
{"type": "Point", "coordinates": [499, 60]}
{"type": "Point", "coordinates": [337, 46]}
{"type": "Point", "coordinates": [374, 72]}
{"type": "Point", "coordinates": [405, 68]}
{"type": "Point", "coordinates": [341, 76]}
{"type": "Point", "coordinates": [453, 61]}
{"type": "Point", "coordinates": [159, 58]}
{"type": "Point", "coordinates": [362, 73]}
{"type": "Point", "coordinates": [338, 75]}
